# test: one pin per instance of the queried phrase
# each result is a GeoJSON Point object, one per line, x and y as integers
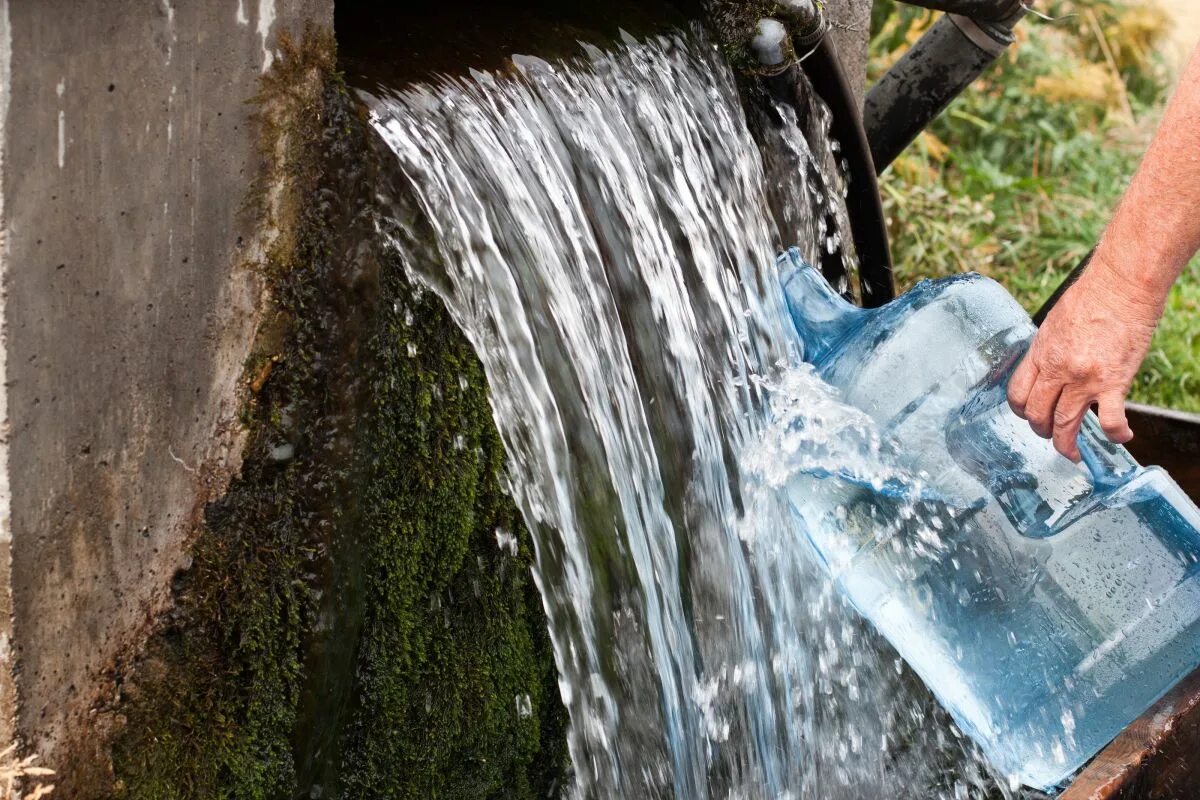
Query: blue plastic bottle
{"type": "Point", "coordinates": [1046, 604]}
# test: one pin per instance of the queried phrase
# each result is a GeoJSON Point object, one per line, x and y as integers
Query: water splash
{"type": "Point", "coordinates": [604, 230]}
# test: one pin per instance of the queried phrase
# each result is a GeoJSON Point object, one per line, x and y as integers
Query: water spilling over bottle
{"type": "Point", "coordinates": [1046, 604]}
{"type": "Point", "coordinates": [603, 231]}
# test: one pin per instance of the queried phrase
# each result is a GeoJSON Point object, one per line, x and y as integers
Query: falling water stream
{"type": "Point", "coordinates": [603, 230]}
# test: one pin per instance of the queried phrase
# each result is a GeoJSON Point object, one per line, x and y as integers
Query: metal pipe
{"type": "Point", "coordinates": [775, 51]}
{"type": "Point", "coordinates": [1067, 283]}
{"type": "Point", "coordinates": [808, 23]}
{"type": "Point", "coordinates": [981, 10]}
{"type": "Point", "coordinates": [772, 46]}
{"type": "Point", "coordinates": [867, 222]}
{"type": "Point", "coordinates": [778, 70]}
{"type": "Point", "coordinates": [935, 70]}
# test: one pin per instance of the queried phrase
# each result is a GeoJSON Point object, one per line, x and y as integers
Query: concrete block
{"type": "Point", "coordinates": [127, 314]}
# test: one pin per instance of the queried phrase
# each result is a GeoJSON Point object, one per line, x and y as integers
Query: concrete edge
{"type": "Point", "coordinates": [7, 678]}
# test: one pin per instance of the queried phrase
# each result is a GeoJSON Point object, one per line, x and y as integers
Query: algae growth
{"type": "Point", "coordinates": [359, 619]}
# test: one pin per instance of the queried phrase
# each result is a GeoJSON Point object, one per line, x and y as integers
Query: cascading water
{"type": "Point", "coordinates": [603, 231]}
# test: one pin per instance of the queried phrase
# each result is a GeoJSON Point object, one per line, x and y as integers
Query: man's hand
{"type": "Point", "coordinates": [1087, 352]}
{"type": "Point", "coordinates": [1093, 341]}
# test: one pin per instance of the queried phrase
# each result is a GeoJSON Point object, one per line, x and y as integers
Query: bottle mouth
{"type": "Point", "coordinates": [821, 316]}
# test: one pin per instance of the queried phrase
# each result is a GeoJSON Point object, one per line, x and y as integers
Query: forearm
{"type": "Point", "coordinates": [1156, 228]}
{"type": "Point", "coordinates": [1091, 343]}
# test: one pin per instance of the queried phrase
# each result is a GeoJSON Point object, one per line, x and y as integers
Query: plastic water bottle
{"type": "Point", "coordinates": [1046, 604]}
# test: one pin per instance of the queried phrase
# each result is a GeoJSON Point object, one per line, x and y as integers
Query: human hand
{"type": "Point", "coordinates": [1087, 352]}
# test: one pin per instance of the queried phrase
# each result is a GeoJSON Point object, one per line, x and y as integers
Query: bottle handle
{"type": "Point", "coordinates": [1109, 464]}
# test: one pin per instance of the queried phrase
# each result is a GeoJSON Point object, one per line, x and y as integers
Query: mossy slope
{"type": "Point", "coordinates": [351, 620]}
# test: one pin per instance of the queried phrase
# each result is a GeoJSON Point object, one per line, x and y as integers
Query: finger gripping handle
{"type": "Point", "coordinates": [1109, 464]}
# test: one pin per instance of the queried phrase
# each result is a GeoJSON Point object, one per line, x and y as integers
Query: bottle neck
{"type": "Point", "coordinates": [822, 316]}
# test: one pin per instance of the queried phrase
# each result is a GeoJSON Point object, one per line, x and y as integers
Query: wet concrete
{"type": "Point", "coordinates": [128, 152]}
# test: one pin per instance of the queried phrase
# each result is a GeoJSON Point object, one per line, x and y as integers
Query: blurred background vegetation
{"type": "Point", "coordinates": [1018, 178]}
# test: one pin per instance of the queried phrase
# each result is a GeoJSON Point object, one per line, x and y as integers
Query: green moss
{"type": "Point", "coordinates": [215, 698]}
{"type": "Point", "coordinates": [349, 620]}
{"type": "Point", "coordinates": [734, 23]}
{"type": "Point", "coordinates": [454, 644]}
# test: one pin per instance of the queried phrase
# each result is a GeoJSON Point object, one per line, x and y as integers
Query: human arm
{"type": "Point", "coordinates": [1093, 341]}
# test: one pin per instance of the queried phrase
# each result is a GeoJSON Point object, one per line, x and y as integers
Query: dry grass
{"type": "Point", "coordinates": [1018, 178]}
{"type": "Point", "coordinates": [21, 778]}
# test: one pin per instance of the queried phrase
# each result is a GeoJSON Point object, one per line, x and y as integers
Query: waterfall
{"type": "Point", "coordinates": [603, 230]}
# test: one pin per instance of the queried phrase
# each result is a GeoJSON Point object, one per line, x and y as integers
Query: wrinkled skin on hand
{"type": "Point", "coordinates": [1091, 345]}
{"type": "Point", "coordinates": [1086, 354]}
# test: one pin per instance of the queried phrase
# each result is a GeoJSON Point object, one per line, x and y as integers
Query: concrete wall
{"type": "Point", "coordinates": [850, 27]}
{"type": "Point", "coordinates": [127, 154]}
{"type": "Point", "coordinates": [126, 314]}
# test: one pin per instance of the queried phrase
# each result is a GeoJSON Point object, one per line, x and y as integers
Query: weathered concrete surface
{"type": "Point", "coordinates": [850, 27]}
{"type": "Point", "coordinates": [126, 314]}
{"type": "Point", "coordinates": [127, 153]}
{"type": "Point", "coordinates": [7, 687]}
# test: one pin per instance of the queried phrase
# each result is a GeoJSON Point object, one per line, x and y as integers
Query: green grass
{"type": "Point", "coordinates": [1018, 178]}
